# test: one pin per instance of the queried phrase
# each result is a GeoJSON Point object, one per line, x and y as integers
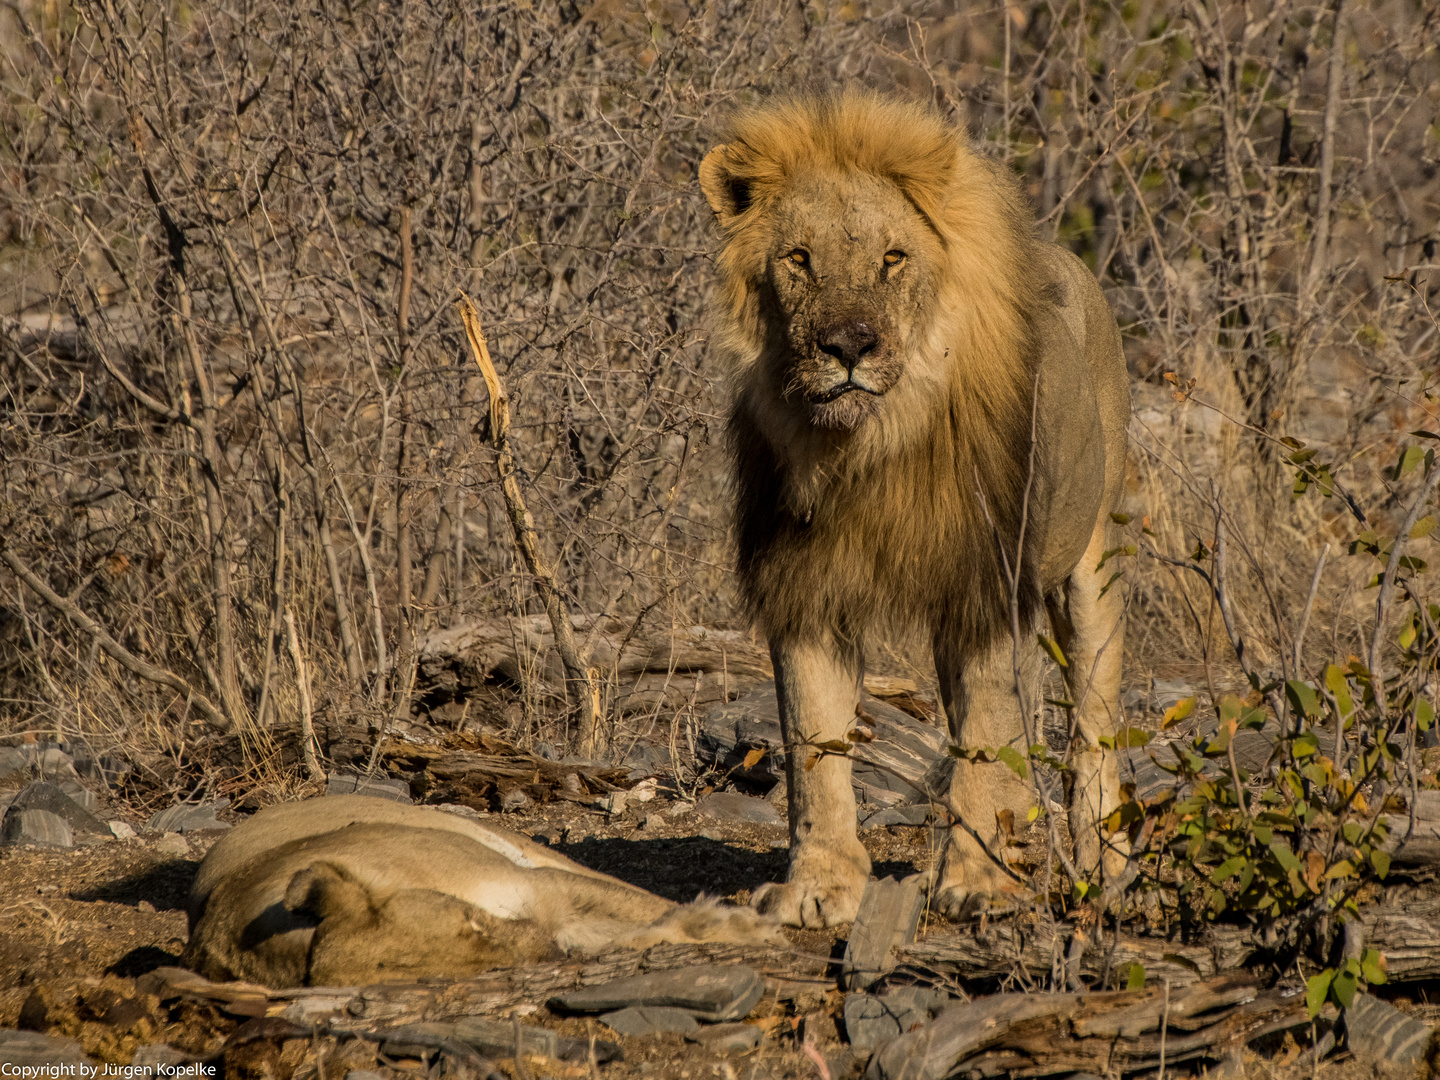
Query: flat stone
{"type": "Point", "coordinates": [18, 1048]}
{"type": "Point", "coordinates": [85, 828]}
{"type": "Point", "coordinates": [871, 1020]}
{"type": "Point", "coordinates": [889, 915]}
{"type": "Point", "coordinates": [1378, 1033]}
{"type": "Point", "coordinates": [711, 992]}
{"type": "Point", "coordinates": [728, 1038]}
{"type": "Point", "coordinates": [897, 815]}
{"type": "Point", "coordinates": [379, 787]}
{"type": "Point", "coordinates": [733, 806]}
{"type": "Point", "coordinates": [189, 817]}
{"type": "Point", "coordinates": [122, 830]}
{"type": "Point", "coordinates": [11, 761]}
{"type": "Point", "coordinates": [650, 1020]}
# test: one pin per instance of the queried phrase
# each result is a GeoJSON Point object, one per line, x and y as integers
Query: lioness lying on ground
{"type": "Point", "coordinates": [349, 890]}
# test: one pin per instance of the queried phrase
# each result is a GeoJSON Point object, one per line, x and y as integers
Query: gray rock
{"type": "Point", "coordinates": [77, 793]}
{"type": "Point", "coordinates": [363, 1074]}
{"type": "Point", "coordinates": [189, 817]}
{"type": "Point", "coordinates": [84, 827]}
{"type": "Point", "coordinates": [889, 915]}
{"type": "Point", "coordinates": [173, 845]}
{"type": "Point", "coordinates": [379, 787]}
{"type": "Point", "coordinates": [154, 1055]}
{"type": "Point", "coordinates": [19, 1048]}
{"type": "Point", "coordinates": [515, 800]}
{"type": "Point", "coordinates": [711, 992]}
{"type": "Point", "coordinates": [39, 827]}
{"type": "Point", "coordinates": [651, 1020]}
{"type": "Point", "coordinates": [1378, 1033]}
{"type": "Point", "coordinates": [871, 1021]}
{"type": "Point", "coordinates": [52, 763]}
{"type": "Point", "coordinates": [897, 815]}
{"type": "Point", "coordinates": [732, 806]}
{"type": "Point", "coordinates": [11, 761]}
{"type": "Point", "coordinates": [728, 1038]}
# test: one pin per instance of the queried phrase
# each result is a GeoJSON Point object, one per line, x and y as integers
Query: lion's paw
{"type": "Point", "coordinates": [967, 896]}
{"type": "Point", "coordinates": [809, 905]}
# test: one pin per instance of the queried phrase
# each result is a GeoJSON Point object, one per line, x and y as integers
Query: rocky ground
{"type": "Point", "coordinates": [95, 869]}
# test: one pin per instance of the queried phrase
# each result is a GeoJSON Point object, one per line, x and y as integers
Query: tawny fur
{"type": "Point", "coordinates": [350, 890]}
{"type": "Point", "coordinates": [896, 335]}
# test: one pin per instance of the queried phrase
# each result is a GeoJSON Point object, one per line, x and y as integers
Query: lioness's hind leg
{"type": "Point", "coordinates": [1088, 619]}
{"type": "Point", "coordinates": [818, 686]}
{"type": "Point", "coordinates": [984, 712]}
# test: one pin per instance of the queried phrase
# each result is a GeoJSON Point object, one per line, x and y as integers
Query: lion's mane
{"type": "Point", "coordinates": [904, 520]}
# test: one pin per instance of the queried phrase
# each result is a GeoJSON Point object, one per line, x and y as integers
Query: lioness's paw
{"type": "Point", "coordinates": [809, 905]}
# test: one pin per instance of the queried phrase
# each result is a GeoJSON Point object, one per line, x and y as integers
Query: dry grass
{"type": "Point", "coordinates": [234, 385]}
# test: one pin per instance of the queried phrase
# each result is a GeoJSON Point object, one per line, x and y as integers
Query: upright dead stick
{"type": "Point", "coordinates": [302, 686]}
{"type": "Point", "coordinates": [580, 689]}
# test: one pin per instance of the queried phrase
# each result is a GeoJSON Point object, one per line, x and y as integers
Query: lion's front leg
{"type": "Point", "coordinates": [984, 712]}
{"type": "Point", "coordinates": [818, 686]}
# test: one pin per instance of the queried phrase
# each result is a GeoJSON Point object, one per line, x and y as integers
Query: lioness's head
{"type": "Point", "coordinates": [864, 242]}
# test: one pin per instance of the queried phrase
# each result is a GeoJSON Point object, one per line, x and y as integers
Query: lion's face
{"type": "Point", "coordinates": [848, 274]}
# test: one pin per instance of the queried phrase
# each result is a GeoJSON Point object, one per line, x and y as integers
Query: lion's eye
{"type": "Point", "coordinates": [800, 257]}
{"type": "Point", "coordinates": [894, 258]}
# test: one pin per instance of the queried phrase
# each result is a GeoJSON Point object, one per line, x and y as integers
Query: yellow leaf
{"type": "Point", "coordinates": [753, 758]}
{"type": "Point", "coordinates": [1179, 711]}
{"type": "Point", "coordinates": [1053, 649]}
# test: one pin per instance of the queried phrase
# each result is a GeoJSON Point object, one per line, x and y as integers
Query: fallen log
{"type": "Point", "coordinates": [1406, 932]}
{"type": "Point", "coordinates": [1104, 1034]}
{"type": "Point", "coordinates": [664, 668]}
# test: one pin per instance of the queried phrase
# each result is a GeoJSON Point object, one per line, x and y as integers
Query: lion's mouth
{"type": "Point", "coordinates": [836, 392]}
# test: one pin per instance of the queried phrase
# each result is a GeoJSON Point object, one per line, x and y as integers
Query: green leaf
{"type": "Point", "coordinates": [1136, 979]}
{"type": "Point", "coordinates": [1284, 856]}
{"type": "Point", "coordinates": [1339, 687]}
{"type": "Point", "coordinates": [1120, 519]}
{"type": "Point", "coordinates": [1345, 984]}
{"type": "Point", "coordinates": [1131, 736]}
{"type": "Point", "coordinates": [1056, 653]}
{"type": "Point", "coordinates": [1228, 869]}
{"type": "Point", "coordinates": [1424, 527]}
{"type": "Point", "coordinates": [1317, 989]}
{"type": "Point", "coordinates": [1302, 697]}
{"type": "Point", "coordinates": [1229, 709]}
{"type": "Point", "coordinates": [1381, 862]}
{"type": "Point", "coordinates": [1304, 745]}
{"type": "Point", "coordinates": [1010, 756]}
{"type": "Point", "coordinates": [1410, 459]}
{"type": "Point", "coordinates": [1342, 869]}
{"type": "Point", "coordinates": [1372, 966]}
{"type": "Point", "coordinates": [1424, 714]}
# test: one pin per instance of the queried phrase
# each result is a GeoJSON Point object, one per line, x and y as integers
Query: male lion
{"type": "Point", "coordinates": [926, 399]}
{"type": "Point", "coordinates": [349, 890]}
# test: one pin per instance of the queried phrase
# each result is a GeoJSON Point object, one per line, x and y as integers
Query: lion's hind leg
{"type": "Point", "coordinates": [1089, 621]}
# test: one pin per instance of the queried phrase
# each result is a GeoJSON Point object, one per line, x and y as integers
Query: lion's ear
{"type": "Point", "coordinates": [727, 193]}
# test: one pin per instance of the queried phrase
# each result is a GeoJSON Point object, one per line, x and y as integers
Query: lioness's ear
{"type": "Point", "coordinates": [324, 889]}
{"type": "Point", "coordinates": [727, 193]}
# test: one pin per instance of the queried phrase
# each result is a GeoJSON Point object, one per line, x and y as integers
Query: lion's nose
{"type": "Point", "coordinates": [849, 342]}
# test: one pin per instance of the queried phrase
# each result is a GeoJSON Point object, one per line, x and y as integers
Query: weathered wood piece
{"type": "Point", "coordinates": [887, 769]}
{"type": "Point", "coordinates": [713, 992]}
{"type": "Point", "coordinates": [492, 1038]}
{"type": "Point", "coordinates": [365, 1008]}
{"type": "Point", "coordinates": [889, 914]}
{"type": "Point", "coordinates": [482, 779]}
{"type": "Point", "coordinates": [1102, 1033]}
{"type": "Point", "coordinates": [1406, 931]}
{"type": "Point", "coordinates": [668, 667]}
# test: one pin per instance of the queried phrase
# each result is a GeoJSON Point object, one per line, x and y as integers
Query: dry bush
{"type": "Point", "coordinates": [235, 385]}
